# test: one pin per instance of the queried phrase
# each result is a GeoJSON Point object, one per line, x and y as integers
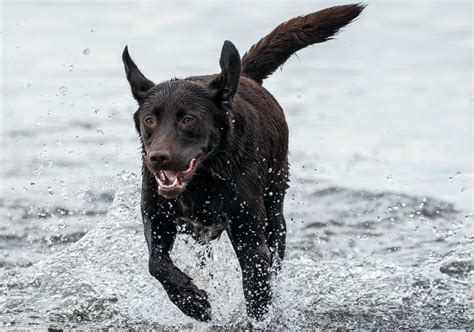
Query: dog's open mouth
{"type": "Point", "coordinates": [172, 183]}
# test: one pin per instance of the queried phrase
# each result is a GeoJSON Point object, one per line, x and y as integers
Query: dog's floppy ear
{"type": "Point", "coordinates": [225, 84]}
{"type": "Point", "coordinates": [138, 82]}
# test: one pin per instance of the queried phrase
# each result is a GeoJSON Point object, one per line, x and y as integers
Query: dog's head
{"type": "Point", "coordinates": [181, 122]}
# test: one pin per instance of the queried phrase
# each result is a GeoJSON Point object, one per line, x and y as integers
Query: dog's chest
{"type": "Point", "coordinates": [202, 215]}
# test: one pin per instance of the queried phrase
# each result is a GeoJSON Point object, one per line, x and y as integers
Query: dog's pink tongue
{"type": "Point", "coordinates": [171, 175]}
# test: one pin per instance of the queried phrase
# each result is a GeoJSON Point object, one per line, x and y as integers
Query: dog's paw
{"type": "Point", "coordinates": [193, 302]}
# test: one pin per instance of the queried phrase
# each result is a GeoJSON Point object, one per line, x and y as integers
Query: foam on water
{"type": "Point", "coordinates": [102, 279]}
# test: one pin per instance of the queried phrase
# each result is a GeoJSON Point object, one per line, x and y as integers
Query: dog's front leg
{"type": "Point", "coordinates": [160, 233]}
{"type": "Point", "coordinates": [247, 234]}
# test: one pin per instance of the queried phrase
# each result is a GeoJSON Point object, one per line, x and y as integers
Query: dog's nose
{"type": "Point", "coordinates": [159, 157]}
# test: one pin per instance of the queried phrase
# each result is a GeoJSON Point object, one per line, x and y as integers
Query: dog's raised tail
{"type": "Point", "coordinates": [263, 58]}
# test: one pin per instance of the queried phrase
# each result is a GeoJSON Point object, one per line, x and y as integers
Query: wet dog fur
{"type": "Point", "coordinates": [215, 159]}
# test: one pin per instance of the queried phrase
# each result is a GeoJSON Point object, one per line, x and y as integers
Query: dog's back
{"type": "Point", "coordinates": [267, 130]}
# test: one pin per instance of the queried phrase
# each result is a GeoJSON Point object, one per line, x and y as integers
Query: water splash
{"type": "Point", "coordinates": [102, 280]}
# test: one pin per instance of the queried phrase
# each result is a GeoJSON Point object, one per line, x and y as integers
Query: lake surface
{"type": "Point", "coordinates": [380, 210]}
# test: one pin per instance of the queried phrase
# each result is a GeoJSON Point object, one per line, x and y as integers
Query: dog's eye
{"type": "Point", "coordinates": [188, 120]}
{"type": "Point", "coordinates": [149, 121]}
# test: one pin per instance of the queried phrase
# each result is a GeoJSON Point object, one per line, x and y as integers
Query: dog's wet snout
{"type": "Point", "coordinates": [160, 157]}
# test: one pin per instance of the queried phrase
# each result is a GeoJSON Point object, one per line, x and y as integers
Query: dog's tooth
{"type": "Point", "coordinates": [162, 176]}
{"type": "Point", "coordinates": [160, 182]}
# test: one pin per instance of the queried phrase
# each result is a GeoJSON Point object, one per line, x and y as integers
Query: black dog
{"type": "Point", "coordinates": [215, 153]}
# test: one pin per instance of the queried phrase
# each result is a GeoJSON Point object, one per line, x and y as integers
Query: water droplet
{"type": "Point", "coordinates": [317, 240]}
{"type": "Point", "coordinates": [455, 175]}
{"type": "Point", "coordinates": [50, 191]}
{"type": "Point", "coordinates": [63, 90]}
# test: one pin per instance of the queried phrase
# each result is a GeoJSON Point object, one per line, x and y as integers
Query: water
{"type": "Point", "coordinates": [379, 213]}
